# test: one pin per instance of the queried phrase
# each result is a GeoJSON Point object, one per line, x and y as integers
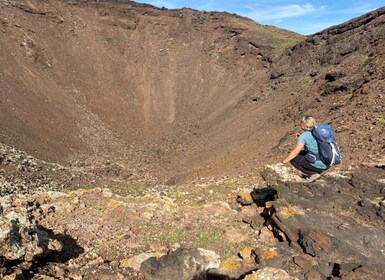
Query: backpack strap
{"type": "Point", "coordinates": [335, 153]}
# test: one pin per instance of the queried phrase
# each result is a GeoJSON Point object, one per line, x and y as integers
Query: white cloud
{"type": "Point", "coordinates": [280, 12]}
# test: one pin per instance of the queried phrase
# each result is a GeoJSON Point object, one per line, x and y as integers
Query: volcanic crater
{"type": "Point", "coordinates": [176, 111]}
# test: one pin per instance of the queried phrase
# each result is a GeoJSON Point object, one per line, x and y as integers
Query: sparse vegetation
{"type": "Point", "coordinates": [200, 194]}
{"type": "Point", "coordinates": [287, 41]}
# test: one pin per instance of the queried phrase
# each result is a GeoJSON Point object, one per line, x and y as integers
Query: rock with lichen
{"type": "Point", "coordinates": [22, 240]}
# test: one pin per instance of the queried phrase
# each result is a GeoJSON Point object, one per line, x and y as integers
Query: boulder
{"type": "Point", "coordinates": [21, 239]}
{"type": "Point", "coordinates": [182, 264]}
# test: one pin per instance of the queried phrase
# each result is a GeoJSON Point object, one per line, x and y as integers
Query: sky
{"type": "Point", "coordinates": [302, 16]}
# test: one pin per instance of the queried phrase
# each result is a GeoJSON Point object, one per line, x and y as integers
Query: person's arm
{"type": "Point", "coordinates": [297, 149]}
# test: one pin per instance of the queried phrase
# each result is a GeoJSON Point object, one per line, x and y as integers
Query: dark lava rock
{"type": "Point", "coordinates": [335, 220]}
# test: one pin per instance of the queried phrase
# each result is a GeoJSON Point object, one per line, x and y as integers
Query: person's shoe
{"type": "Point", "coordinates": [313, 178]}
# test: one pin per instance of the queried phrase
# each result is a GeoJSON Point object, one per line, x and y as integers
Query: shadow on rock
{"type": "Point", "coordinates": [70, 250]}
{"type": "Point", "coordinates": [215, 276]}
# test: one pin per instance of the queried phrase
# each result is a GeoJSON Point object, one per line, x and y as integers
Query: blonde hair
{"type": "Point", "coordinates": [309, 122]}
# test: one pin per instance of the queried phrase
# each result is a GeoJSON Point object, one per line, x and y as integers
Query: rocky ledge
{"type": "Point", "coordinates": [279, 227]}
{"type": "Point", "coordinates": [330, 228]}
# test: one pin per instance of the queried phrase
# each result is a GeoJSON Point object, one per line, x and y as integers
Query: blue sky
{"type": "Point", "coordinates": [304, 17]}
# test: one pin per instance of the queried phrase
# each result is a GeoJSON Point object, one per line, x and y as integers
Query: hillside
{"type": "Point", "coordinates": [126, 82]}
{"type": "Point", "coordinates": [337, 75]}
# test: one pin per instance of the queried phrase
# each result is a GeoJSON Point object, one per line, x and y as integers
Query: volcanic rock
{"type": "Point", "coordinates": [181, 264]}
{"type": "Point", "coordinates": [22, 240]}
{"type": "Point", "coordinates": [323, 220]}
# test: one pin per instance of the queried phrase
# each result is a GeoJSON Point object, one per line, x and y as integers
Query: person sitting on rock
{"type": "Point", "coordinates": [306, 143]}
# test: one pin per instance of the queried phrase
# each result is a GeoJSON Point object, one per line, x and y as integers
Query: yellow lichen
{"type": "Point", "coordinates": [246, 252]}
{"type": "Point", "coordinates": [114, 203]}
{"type": "Point", "coordinates": [290, 211]}
{"type": "Point", "coordinates": [151, 198]}
{"type": "Point", "coordinates": [251, 277]}
{"type": "Point", "coordinates": [269, 254]}
{"type": "Point", "coordinates": [158, 199]}
{"type": "Point", "coordinates": [84, 191]}
{"type": "Point", "coordinates": [245, 196]}
{"type": "Point", "coordinates": [231, 264]}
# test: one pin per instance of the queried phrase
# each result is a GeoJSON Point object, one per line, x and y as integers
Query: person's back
{"type": "Point", "coordinates": [303, 156]}
{"type": "Point", "coordinates": [311, 146]}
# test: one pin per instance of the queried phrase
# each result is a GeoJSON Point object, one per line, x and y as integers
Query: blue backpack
{"type": "Point", "coordinates": [329, 152]}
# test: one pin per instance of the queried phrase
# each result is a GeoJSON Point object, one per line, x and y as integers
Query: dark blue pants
{"type": "Point", "coordinates": [301, 163]}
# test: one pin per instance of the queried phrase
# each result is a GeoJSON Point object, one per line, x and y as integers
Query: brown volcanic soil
{"type": "Point", "coordinates": [163, 90]}
{"type": "Point", "coordinates": [180, 94]}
